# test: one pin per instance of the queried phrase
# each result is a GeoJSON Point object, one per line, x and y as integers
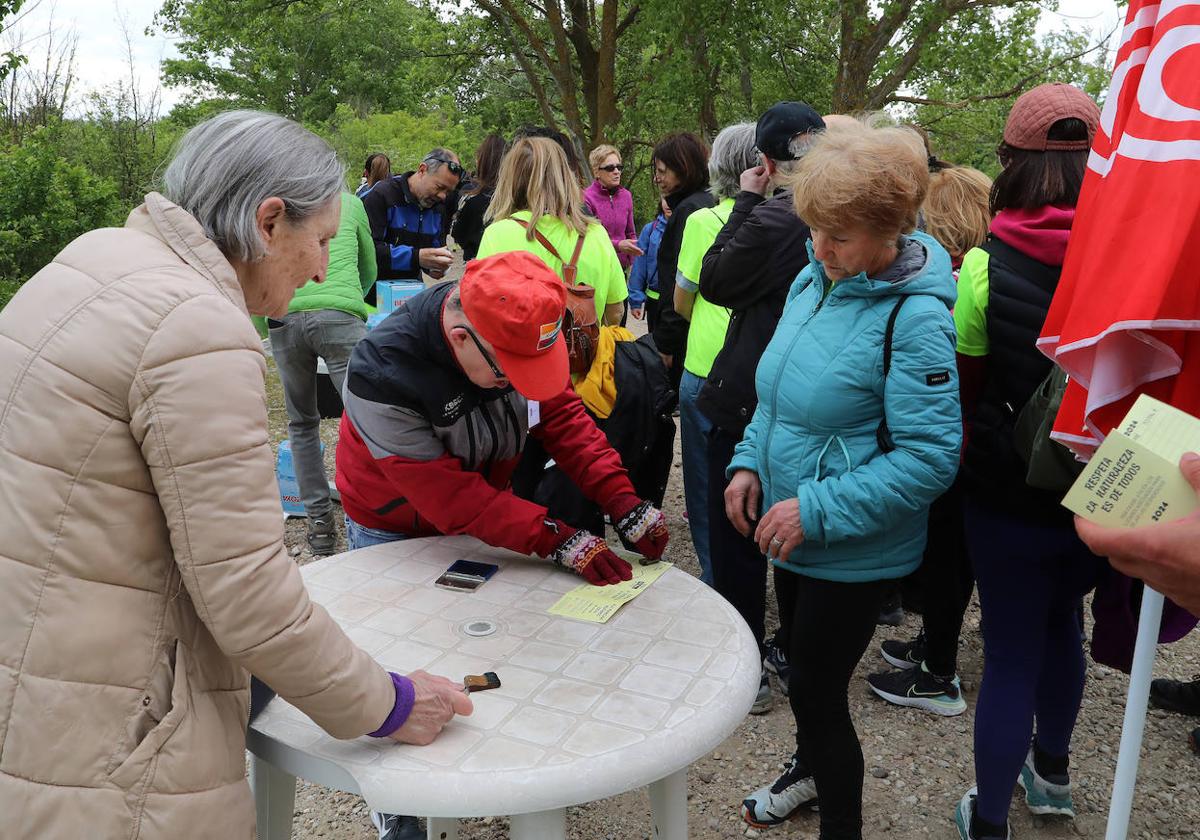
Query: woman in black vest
{"type": "Point", "coordinates": [681, 175]}
{"type": "Point", "coordinates": [1031, 568]}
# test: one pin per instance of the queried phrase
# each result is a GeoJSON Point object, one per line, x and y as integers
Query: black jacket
{"type": "Point", "coordinates": [640, 429]}
{"type": "Point", "coordinates": [1019, 293]}
{"type": "Point", "coordinates": [749, 269]}
{"type": "Point", "coordinates": [468, 223]}
{"type": "Point", "coordinates": [670, 335]}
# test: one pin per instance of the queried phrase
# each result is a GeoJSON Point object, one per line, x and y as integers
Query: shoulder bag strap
{"type": "Point", "coordinates": [569, 268]}
{"type": "Point", "coordinates": [883, 434]}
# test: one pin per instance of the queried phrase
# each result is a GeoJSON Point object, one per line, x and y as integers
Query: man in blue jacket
{"type": "Point", "coordinates": [410, 215]}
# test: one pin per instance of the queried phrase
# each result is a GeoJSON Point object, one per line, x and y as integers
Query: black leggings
{"type": "Point", "coordinates": [831, 627]}
{"type": "Point", "coordinates": [739, 568]}
{"type": "Point", "coordinates": [946, 581]}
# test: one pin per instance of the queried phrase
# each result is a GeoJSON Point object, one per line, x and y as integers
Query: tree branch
{"type": "Point", "coordinates": [627, 21]}
{"type": "Point", "coordinates": [527, 68]}
{"type": "Point", "coordinates": [1017, 88]}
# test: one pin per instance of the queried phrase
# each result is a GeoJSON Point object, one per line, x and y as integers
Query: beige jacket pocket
{"type": "Point", "coordinates": [159, 718]}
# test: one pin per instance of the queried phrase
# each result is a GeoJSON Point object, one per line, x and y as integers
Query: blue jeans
{"type": "Point", "coordinates": [331, 335]}
{"type": "Point", "coordinates": [693, 429]}
{"type": "Point", "coordinates": [360, 536]}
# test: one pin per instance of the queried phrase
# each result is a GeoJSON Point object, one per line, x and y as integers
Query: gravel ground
{"type": "Point", "coordinates": [918, 765]}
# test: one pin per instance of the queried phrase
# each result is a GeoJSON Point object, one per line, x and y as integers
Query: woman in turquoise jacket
{"type": "Point", "coordinates": [854, 436]}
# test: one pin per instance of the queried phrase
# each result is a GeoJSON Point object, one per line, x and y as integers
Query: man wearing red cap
{"type": "Point", "coordinates": [439, 400]}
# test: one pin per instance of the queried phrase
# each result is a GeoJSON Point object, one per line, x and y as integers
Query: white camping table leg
{"type": "Point", "coordinates": [274, 799]}
{"type": "Point", "coordinates": [441, 828]}
{"type": "Point", "coordinates": [543, 825]}
{"type": "Point", "coordinates": [668, 806]}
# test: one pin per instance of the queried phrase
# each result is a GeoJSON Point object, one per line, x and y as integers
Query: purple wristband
{"type": "Point", "coordinates": [405, 695]}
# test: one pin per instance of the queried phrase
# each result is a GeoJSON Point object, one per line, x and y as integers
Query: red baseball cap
{"type": "Point", "coordinates": [516, 303]}
{"type": "Point", "coordinates": [1036, 110]}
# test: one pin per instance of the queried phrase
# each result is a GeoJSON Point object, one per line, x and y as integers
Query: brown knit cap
{"type": "Point", "coordinates": [1036, 110]}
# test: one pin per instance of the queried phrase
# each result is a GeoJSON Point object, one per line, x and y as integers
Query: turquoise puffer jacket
{"type": "Point", "coordinates": [821, 395]}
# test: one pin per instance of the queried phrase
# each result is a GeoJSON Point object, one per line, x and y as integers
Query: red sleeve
{"type": "Point", "coordinates": [972, 376]}
{"type": "Point", "coordinates": [582, 451]}
{"type": "Point", "coordinates": [458, 501]}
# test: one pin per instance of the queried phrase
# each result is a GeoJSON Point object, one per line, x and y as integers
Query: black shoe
{"type": "Point", "coordinates": [1175, 696]}
{"type": "Point", "coordinates": [891, 613]}
{"type": "Point", "coordinates": [322, 535]}
{"type": "Point", "coordinates": [397, 827]}
{"type": "Point", "coordinates": [1194, 740]}
{"type": "Point", "coordinates": [776, 662]}
{"type": "Point", "coordinates": [919, 689]}
{"type": "Point", "coordinates": [904, 654]}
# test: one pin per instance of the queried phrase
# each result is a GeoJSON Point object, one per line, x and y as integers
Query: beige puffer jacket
{"type": "Point", "coordinates": [142, 565]}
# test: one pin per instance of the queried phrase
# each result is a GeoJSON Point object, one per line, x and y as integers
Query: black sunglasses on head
{"type": "Point", "coordinates": [487, 357]}
{"type": "Point", "coordinates": [454, 166]}
{"type": "Point", "coordinates": [612, 167]}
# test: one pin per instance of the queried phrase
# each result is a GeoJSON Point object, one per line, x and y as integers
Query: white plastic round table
{"type": "Point", "coordinates": [585, 710]}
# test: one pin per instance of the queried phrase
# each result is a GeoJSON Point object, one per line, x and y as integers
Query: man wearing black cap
{"type": "Point", "coordinates": [749, 269]}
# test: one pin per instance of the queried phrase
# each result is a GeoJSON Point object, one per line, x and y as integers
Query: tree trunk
{"type": "Point", "coordinates": [580, 57]}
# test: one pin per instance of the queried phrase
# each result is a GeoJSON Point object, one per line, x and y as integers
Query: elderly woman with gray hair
{"type": "Point", "coordinates": [143, 573]}
{"type": "Point", "coordinates": [732, 153]}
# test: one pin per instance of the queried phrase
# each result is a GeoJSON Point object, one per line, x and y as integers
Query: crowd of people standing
{"type": "Point", "coordinates": [844, 323]}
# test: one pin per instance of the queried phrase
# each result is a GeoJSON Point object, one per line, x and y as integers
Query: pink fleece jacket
{"type": "Point", "coordinates": [1040, 233]}
{"type": "Point", "coordinates": [614, 210]}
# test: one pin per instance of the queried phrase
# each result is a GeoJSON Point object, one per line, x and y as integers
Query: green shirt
{"type": "Point", "coordinates": [352, 266]}
{"type": "Point", "coordinates": [706, 335]}
{"type": "Point", "coordinates": [970, 310]}
{"type": "Point", "coordinates": [598, 264]}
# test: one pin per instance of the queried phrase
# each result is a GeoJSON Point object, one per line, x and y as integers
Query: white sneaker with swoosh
{"type": "Point", "coordinates": [782, 799]}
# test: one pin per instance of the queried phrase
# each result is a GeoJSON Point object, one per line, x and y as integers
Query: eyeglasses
{"type": "Point", "coordinates": [454, 166]}
{"type": "Point", "coordinates": [612, 167]}
{"type": "Point", "coordinates": [487, 357]}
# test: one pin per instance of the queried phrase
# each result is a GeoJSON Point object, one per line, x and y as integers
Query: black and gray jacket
{"type": "Point", "coordinates": [749, 268]}
{"type": "Point", "coordinates": [423, 451]}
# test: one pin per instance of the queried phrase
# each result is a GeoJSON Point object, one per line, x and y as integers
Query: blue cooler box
{"type": "Point", "coordinates": [390, 293]}
{"type": "Point", "coordinates": [285, 473]}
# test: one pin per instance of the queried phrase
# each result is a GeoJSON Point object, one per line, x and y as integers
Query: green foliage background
{"type": "Point", "coordinates": [403, 76]}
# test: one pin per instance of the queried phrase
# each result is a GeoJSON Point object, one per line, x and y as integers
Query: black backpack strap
{"type": "Point", "coordinates": [883, 435]}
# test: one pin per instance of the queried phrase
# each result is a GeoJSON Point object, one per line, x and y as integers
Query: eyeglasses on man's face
{"type": "Point", "coordinates": [487, 357]}
{"type": "Point", "coordinates": [612, 167]}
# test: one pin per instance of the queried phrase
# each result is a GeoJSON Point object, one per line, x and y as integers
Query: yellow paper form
{"type": "Point", "coordinates": [1134, 479]}
{"type": "Point", "coordinates": [600, 603]}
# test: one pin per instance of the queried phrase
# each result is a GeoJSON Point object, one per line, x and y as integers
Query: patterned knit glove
{"type": "Point", "coordinates": [644, 528]}
{"type": "Point", "coordinates": [591, 558]}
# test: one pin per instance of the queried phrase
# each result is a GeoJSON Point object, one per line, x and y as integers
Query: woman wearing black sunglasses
{"type": "Point", "coordinates": [612, 204]}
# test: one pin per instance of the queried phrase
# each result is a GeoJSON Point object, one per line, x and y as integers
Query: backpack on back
{"type": "Point", "coordinates": [580, 329]}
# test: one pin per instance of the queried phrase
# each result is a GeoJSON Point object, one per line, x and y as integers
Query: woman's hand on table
{"type": "Point", "coordinates": [741, 500]}
{"type": "Point", "coordinates": [437, 700]}
{"type": "Point", "coordinates": [780, 530]}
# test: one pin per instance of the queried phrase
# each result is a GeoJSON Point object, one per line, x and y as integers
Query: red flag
{"type": "Point", "coordinates": [1126, 315]}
